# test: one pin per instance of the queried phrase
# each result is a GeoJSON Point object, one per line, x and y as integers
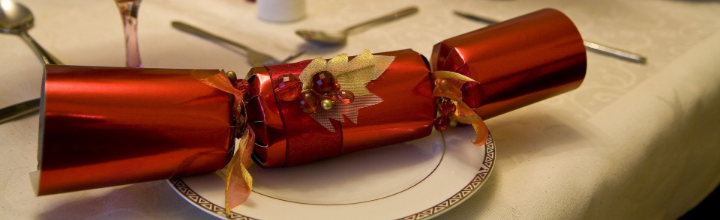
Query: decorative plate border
{"type": "Point", "coordinates": [190, 195]}
{"type": "Point", "coordinates": [467, 191]}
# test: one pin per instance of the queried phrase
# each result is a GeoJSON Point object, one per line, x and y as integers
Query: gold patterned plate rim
{"type": "Point", "coordinates": [443, 204]}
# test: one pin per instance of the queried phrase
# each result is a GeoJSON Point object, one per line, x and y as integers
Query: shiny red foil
{"type": "Point", "coordinates": [287, 136]}
{"type": "Point", "coordinates": [517, 62]}
{"type": "Point", "coordinates": [105, 126]}
{"type": "Point", "coordinates": [112, 126]}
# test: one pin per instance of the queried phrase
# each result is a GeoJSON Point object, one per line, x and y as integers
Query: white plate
{"type": "Point", "coordinates": [413, 180]}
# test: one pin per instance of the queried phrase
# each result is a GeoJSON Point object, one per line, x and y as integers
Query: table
{"type": "Point", "coordinates": [634, 141]}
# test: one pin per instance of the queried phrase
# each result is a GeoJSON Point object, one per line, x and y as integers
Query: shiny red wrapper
{"type": "Point", "coordinates": [104, 126]}
{"type": "Point", "coordinates": [111, 126]}
{"type": "Point", "coordinates": [517, 62]}
{"type": "Point", "coordinates": [287, 136]}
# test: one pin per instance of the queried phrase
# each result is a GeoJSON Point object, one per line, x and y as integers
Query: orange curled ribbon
{"type": "Point", "coordinates": [448, 85]}
{"type": "Point", "coordinates": [238, 182]}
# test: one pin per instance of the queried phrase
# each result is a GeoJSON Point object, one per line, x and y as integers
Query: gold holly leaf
{"type": "Point", "coordinates": [353, 75]}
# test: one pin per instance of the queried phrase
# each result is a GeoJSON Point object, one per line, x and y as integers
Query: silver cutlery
{"type": "Point", "coordinates": [255, 58]}
{"type": "Point", "coordinates": [14, 111]}
{"type": "Point", "coordinates": [16, 19]}
{"type": "Point", "coordinates": [592, 46]}
{"type": "Point", "coordinates": [331, 39]}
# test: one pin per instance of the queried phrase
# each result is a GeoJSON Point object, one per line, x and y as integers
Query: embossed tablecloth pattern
{"type": "Point", "coordinates": [634, 141]}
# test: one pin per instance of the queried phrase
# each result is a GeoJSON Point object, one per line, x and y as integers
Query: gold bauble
{"type": "Point", "coordinates": [326, 104]}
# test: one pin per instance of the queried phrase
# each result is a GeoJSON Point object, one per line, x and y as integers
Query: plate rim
{"type": "Point", "coordinates": [470, 189]}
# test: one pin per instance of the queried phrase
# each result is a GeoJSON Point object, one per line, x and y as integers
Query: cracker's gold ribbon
{"type": "Point", "coordinates": [238, 182]}
{"type": "Point", "coordinates": [448, 85]}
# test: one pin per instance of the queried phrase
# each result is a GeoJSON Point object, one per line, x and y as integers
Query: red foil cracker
{"type": "Point", "coordinates": [104, 126]}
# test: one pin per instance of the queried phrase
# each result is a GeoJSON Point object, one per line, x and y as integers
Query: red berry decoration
{"type": "Point", "coordinates": [447, 107]}
{"type": "Point", "coordinates": [323, 82]}
{"type": "Point", "coordinates": [345, 96]}
{"type": "Point", "coordinates": [441, 123]}
{"type": "Point", "coordinates": [287, 87]}
{"type": "Point", "coordinates": [309, 101]}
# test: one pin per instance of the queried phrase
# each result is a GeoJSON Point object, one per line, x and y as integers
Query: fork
{"type": "Point", "coordinates": [255, 58]}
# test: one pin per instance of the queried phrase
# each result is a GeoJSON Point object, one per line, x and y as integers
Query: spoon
{"type": "Point", "coordinates": [255, 58]}
{"type": "Point", "coordinates": [331, 39]}
{"type": "Point", "coordinates": [17, 19]}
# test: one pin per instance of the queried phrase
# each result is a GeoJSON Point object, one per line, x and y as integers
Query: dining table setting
{"type": "Point", "coordinates": [320, 109]}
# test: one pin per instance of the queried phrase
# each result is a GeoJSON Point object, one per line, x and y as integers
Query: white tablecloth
{"type": "Point", "coordinates": [634, 141]}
